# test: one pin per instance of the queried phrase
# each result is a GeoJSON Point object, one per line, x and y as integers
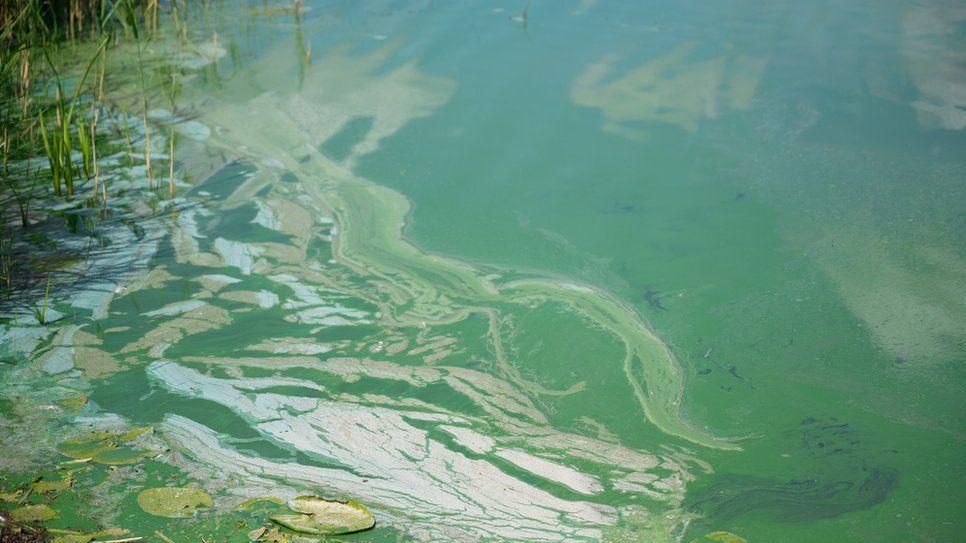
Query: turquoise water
{"type": "Point", "coordinates": [566, 271]}
{"type": "Point", "coordinates": [806, 243]}
{"type": "Point", "coordinates": [776, 189]}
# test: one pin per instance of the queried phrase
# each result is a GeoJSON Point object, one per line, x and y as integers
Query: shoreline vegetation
{"type": "Point", "coordinates": [64, 135]}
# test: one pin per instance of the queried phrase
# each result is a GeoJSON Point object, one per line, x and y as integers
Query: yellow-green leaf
{"type": "Point", "coordinates": [32, 513]}
{"type": "Point", "coordinates": [113, 457]}
{"type": "Point", "coordinates": [326, 517]}
{"type": "Point", "coordinates": [58, 485]}
{"type": "Point", "coordinates": [721, 537]}
{"type": "Point", "coordinates": [173, 502]}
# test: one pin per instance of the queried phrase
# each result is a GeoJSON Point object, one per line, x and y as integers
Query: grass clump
{"type": "Point", "coordinates": [56, 123]}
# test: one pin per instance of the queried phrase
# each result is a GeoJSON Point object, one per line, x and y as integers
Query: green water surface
{"type": "Point", "coordinates": [728, 234]}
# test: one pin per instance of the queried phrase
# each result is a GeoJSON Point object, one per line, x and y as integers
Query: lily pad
{"type": "Point", "coordinates": [297, 522]}
{"type": "Point", "coordinates": [721, 537]}
{"type": "Point", "coordinates": [77, 401]}
{"type": "Point", "coordinates": [134, 433]}
{"type": "Point", "coordinates": [173, 502]}
{"type": "Point", "coordinates": [326, 517]}
{"type": "Point", "coordinates": [274, 536]}
{"type": "Point", "coordinates": [73, 538]}
{"type": "Point", "coordinates": [11, 496]}
{"type": "Point", "coordinates": [114, 457]}
{"type": "Point", "coordinates": [58, 485]}
{"type": "Point", "coordinates": [33, 513]}
{"type": "Point", "coordinates": [102, 447]}
{"type": "Point", "coordinates": [83, 448]}
{"type": "Point", "coordinates": [67, 536]}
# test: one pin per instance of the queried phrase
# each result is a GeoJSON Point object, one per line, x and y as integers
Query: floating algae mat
{"type": "Point", "coordinates": [563, 272]}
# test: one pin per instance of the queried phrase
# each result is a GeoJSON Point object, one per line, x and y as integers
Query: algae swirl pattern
{"type": "Point", "coordinates": [425, 408]}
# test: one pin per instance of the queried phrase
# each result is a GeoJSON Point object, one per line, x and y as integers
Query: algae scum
{"type": "Point", "coordinates": [553, 272]}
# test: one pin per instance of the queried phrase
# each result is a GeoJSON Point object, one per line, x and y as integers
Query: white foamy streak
{"type": "Point", "coordinates": [306, 295]}
{"type": "Point", "coordinates": [175, 308]}
{"type": "Point", "coordinates": [329, 315]}
{"type": "Point", "coordinates": [505, 407]}
{"type": "Point", "coordinates": [237, 254]}
{"type": "Point", "coordinates": [321, 309]}
{"type": "Point", "coordinates": [567, 476]}
{"type": "Point", "coordinates": [408, 470]}
{"type": "Point", "coordinates": [266, 299]}
{"type": "Point", "coordinates": [266, 217]}
{"type": "Point", "coordinates": [474, 441]}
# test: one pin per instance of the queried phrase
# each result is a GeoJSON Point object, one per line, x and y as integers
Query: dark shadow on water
{"type": "Point", "coordinates": [839, 477]}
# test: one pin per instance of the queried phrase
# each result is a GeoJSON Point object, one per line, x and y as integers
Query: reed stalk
{"type": "Point", "coordinates": [147, 148]}
{"type": "Point", "coordinates": [6, 260]}
{"type": "Point", "coordinates": [171, 163]}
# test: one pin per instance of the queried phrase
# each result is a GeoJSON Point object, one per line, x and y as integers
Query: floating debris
{"type": "Point", "coordinates": [16, 532]}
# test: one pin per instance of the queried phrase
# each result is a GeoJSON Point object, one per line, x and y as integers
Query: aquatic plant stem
{"type": "Point", "coordinates": [171, 164]}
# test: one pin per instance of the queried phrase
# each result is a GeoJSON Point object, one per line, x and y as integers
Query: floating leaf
{"type": "Point", "coordinates": [721, 537]}
{"type": "Point", "coordinates": [102, 447]}
{"type": "Point", "coordinates": [326, 517]}
{"type": "Point", "coordinates": [173, 502]}
{"type": "Point", "coordinates": [32, 513]}
{"type": "Point", "coordinates": [297, 522]}
{"type": "Point", "coordinates": [85, 448]}
{"type": "Point", "coordinates": [10, 496]}
{"type": "Point", "coordinates": [67, 536]}
{"type": "Point", "coordinates": [73, 538]}
{"type": "Point", "coordinates": [60, 485]}
{"type": "Point", "coordinates": [76, 400]}
{"type": "Point", "coordinates": [256, 534]}
{"type": "Point", "coordinates": [114, 457]}
{"type": "Point", "coordinates": [134, 433]}
{"type": "Point", "coordinates": [274, 536]}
